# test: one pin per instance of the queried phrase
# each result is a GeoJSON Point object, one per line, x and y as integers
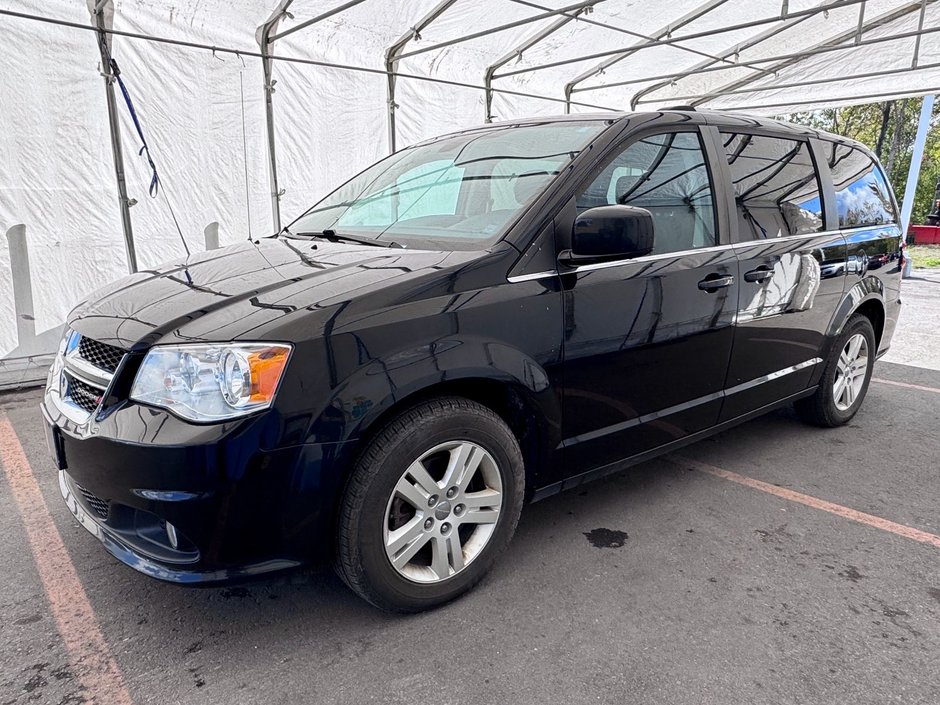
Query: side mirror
{"type": "Point", "coordinates": [610, 233]}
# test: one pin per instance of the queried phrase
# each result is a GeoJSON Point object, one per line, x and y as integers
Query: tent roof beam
{"type": "Point", "coordinates": [501, 28]}
{"type": "Point", "coordinates": [631, 33]}
{"type": "Point", "coordinates": [799, 84]}
{"type": "Point", "coordinates": [834, 43]}
{"type": "Point", "coordinates": [522, 47]}
{"type": "Point", "coordinates": [665, 31]}
{"type": "Point", "coordinates": [668, 41]}
{"type": "Point", "coordinates": [314, 20]}
{"type": "Point", "coordinates": [856, 99]}
{"type": "Point", "coordinates": [668, 78]}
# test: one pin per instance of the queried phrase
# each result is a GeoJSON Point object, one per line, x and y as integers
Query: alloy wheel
{"type": "Point", "coordinates": [443, 511]}
{"type": "Point", "coordinates": [851, 369]}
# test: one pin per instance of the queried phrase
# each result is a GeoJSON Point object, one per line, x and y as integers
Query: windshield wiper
{"type": "Point", "coordinates": [333, 236]}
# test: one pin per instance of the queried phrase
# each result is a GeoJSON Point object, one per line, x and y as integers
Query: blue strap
{"type": "Point", "coordinates": [155, 179]}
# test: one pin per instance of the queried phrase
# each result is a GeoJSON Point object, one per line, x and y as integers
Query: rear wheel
{"type": "Point", "coordinates": [845, 380]}
{"type": "Point", "coordinates": [432, 501]}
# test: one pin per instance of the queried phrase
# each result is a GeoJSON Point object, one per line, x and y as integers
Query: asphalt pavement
{"type": "Point", "coordinates": [775, 563]}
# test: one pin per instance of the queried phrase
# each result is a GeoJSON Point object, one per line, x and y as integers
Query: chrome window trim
{"type": "Point", "coordinates": [530, 277]}
{"type": "Point", "coordinates": [734, 246]}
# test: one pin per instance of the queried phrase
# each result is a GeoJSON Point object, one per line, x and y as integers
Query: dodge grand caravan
{"type": "Point", "coordinates": [480, 320]}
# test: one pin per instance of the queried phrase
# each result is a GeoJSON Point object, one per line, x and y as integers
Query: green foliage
{"type": "Point", "coordinates": [866, 124]}
{"type": "Point", "coordinates": [925, 256]}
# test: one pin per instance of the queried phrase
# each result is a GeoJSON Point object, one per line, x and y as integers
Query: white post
{"type": "Point", "coordinates": [22, 287]}
{"type": "Point", "coordinates": [913, 174]}
{"type": "Point", "coordinates": [211, 233]}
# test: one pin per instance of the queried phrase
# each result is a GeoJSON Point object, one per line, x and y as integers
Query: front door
{"type": "Point", "coordinates": [647, 340]}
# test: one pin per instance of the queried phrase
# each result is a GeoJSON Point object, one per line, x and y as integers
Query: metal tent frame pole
{"type": "Point", "coordinates": [708, 67]}
{"type": "Point", "coordinates": [840, 101]}
{"type": "Point", "coordinates": [102, 12]}
{"type": "Point", "coordinates": [785, 60]}
{"type": "Point", "coordinates": [836, 41]}
{"type": "Point", "coordinates": [666, 31]}
{"type": "Point", "coordinates": [264, 37]}
{"type": "Point", "coordinates": [669, 41]}
{"type": "Point", "coordinates": [501, 28]}
{"type": "Point", "coordinates": [524, 46]}
{"type": "Point", "coordinates": [917, 157]}
{"type": "Point", "coordinates": [628, 32]}
{"type": "Point", "coordinates": [392, 56]}
{"type": "Point", "coordinates": [793, 84]}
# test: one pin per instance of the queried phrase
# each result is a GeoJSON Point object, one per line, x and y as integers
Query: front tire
{"type": "Point", "coordinates": [432, 501]}
{"type": "Point", "coordinates": [845, 380]}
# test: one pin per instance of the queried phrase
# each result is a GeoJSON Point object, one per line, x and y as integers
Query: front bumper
{"type": "Point", "coordinates": [147, 565]}
{"type": "Point", "coordinates": [234, 509]}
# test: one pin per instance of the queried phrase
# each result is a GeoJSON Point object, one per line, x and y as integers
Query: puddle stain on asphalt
{"type": "Point", "coordinates": [606, 538]}
{"type": "Point", "coordinates": [851, 573]}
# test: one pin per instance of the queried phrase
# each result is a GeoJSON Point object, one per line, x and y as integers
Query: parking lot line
{"type": "Point", "coordinates": [810, 501]}
{"type": "Point", "coordinates": [919, 387]}
{"type": "Point", "coordinates": [74, 616]}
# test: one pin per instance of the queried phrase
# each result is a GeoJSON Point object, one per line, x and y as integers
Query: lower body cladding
{"type": "Point", "coordinates": [200, 513]}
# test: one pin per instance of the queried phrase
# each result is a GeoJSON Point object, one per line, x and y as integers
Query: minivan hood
{"type": "Point", "coordinates": [229, 293]}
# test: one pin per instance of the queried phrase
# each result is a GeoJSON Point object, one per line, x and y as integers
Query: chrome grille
{"type": "Point", "coordinates": [94, 502]}
{"type": "Point", "coordinates": [101, 355]}
{"type": "Point", "coordinates": [83, 395]}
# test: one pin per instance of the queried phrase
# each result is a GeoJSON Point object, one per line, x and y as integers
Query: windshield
{"type": "Point", "coordinates": [458, 192]}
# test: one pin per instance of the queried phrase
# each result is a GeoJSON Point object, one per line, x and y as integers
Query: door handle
{"type": "Point", "coordinates": [761, 274]}
{"type": "Point", "coordinates": [714, 282]}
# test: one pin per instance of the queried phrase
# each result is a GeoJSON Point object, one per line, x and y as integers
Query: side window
{"type": "Point", "coordinates": [776, 186]}
{"type": "Point", "coordinates": [863, 197]}
{"type": "Point", "coordinates": [665, 174]}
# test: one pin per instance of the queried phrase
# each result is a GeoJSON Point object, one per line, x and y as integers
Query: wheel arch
{"type": "Point", "coordinates": [865, 298]}
{"type": "Point", "coordinates": [528, 414]}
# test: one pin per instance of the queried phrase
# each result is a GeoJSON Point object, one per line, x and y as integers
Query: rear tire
{"type": "Point", "coordinates": [845, 380]}
{"type": "Point", "coordinates": [432, 501]}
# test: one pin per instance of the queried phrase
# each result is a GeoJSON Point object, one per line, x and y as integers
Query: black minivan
{"type": "Point", "coordinates": [479, 320]}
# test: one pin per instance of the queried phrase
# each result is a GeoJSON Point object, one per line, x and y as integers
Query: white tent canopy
{"type": "Point", "coordinates": [350, 79]}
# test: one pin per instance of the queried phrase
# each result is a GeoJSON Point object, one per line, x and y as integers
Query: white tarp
{"type": "Point", "coordinates": [203, 112]}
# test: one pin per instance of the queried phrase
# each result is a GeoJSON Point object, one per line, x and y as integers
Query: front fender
{"type": "Point", "coordinates": [373, 389]}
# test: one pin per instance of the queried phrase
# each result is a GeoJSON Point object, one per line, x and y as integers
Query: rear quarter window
{"type": "Point", "coordinates": [863, 196]}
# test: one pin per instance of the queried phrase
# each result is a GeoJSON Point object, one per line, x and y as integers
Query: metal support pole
{"type": "Point", "coordinates": [102, 23]}
{"type": "Point", "coordinates": [520, 49]}
{"type": "Point", "coordinates": [392, 56]}
{"type": "Point", "coordinates": [662, 33]}
{"type": "Point", "coordinates": [913, 173]}
{"type": "Point", "coordinates": [267, 66]}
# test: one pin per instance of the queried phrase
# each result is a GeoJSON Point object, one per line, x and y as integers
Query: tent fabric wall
{"type": "Point", "coordinates": [203, 112]}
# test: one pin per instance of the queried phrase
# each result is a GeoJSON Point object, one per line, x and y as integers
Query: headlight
{"type": "Point", "coordinates": [211, 382]}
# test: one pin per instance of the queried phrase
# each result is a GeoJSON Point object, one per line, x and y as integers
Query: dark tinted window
{"type": "Point", "coordinates": [776, 187]}
{"type": "Point", "coordinates": [665, 174]}
{"type": "Point", "coordinates": [862, 194]}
